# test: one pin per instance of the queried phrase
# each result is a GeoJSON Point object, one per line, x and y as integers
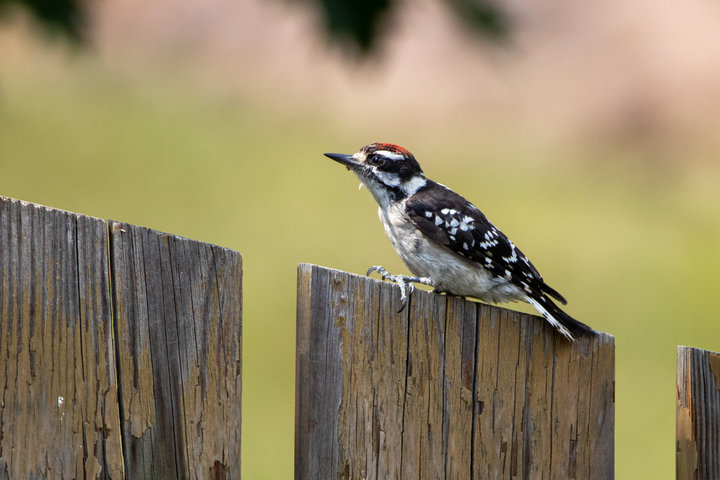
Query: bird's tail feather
{"type": "Point", "coordinates": [553, 293]}
{"type": "Point", "coordinates": [563, 322]}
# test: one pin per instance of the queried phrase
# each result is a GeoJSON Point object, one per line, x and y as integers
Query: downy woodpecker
{"type": "Point", "coordinates": [446, 241]}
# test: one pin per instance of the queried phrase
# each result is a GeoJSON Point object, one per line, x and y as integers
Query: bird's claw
{"type": "Point", "coordinates": [379, 269]}
{"type": "Point", "coordinates": [407, 287]}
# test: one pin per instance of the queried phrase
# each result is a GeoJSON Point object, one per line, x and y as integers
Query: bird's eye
{"type": "Point", "coordinates": [374, 160]}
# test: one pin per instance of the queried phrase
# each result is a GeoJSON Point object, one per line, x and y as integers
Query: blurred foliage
{"type": "Point", "coordinates": [65, 16]}
{"type": "Point", "coordinates": [356, 23]}
{"type": "Point", "coordinates": [484, 16]}
{"type": "Point", "coordinates": [360, 24]}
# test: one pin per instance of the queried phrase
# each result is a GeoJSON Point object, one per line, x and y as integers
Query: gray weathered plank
{"type": "Point", "coordinates": [316, 446]}
{"type": "Point", "coordinates": [698, 414]}
{"type": "Point", "coordinates": [446, 389]}
{"type": "Point", "coordinates": [178, 319]}
{"type": "Point", "coordinates": [459, 384]}
{"type": "Point", "coordinates": [59, 414]}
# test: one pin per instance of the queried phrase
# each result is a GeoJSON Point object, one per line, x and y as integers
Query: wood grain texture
{"type": "Point", "coordinates": [178, 318]}
{"type": "Point", "coordinates": [698, 414]}
{"type": "Point", "coordinates": [58, 413]}
{"type": "Point", "coordinates": [120, 350]}
{"type": "Point", "coordinates": [446, 389]}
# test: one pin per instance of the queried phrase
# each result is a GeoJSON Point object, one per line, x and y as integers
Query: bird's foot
{"type": "Point", "coordinates": [405, 282]}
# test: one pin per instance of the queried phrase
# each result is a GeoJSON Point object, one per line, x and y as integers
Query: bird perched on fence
{"type": "Point", "coordinates": [446, 241]}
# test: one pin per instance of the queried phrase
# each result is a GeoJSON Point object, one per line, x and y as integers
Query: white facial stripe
{"type": "Point", "coordinates": [390, 155]}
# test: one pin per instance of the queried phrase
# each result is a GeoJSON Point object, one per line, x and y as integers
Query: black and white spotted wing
{"type": "Point", "coordinates": [447, 218]}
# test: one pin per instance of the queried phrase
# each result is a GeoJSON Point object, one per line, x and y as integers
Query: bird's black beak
{"type": "Point", "coordinates": [346, 160]}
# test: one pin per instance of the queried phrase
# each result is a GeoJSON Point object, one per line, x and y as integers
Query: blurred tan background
{"type": "Point", "coordinates": [589, 137]}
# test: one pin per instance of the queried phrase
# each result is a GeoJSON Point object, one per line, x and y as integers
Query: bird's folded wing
{"type": "Point", "coordinates": [448, 219]}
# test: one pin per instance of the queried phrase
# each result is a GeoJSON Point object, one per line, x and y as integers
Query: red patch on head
{"type": "Point", "coordinates": [391, 147]}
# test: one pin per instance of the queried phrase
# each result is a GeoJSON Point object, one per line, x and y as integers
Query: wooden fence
{"type": "Point", "coordinates": [120, 357]}
{"type": "Point", "coordinates": [447, 389]}
{"type": "Point", "coordinates": [120, 350]}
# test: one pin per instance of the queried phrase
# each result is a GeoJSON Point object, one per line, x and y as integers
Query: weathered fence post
{"type": "Point", "coordinates": [446, 389]}
{"type": "Point", "coordinates": [698, 414]}
{"type": "Point", "coordinates": [178, 309]}
{"type": "Point", "coordinates": [120, 350]}
{"type": "Point", "coordinates": [59, 412]}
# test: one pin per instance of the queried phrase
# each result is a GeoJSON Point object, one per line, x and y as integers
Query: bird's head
{"type": "Point", "coordinates": [389, 171]}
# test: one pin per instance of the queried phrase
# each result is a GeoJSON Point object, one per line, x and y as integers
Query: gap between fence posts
{"type": "Point", "coordinates": [446, 389]}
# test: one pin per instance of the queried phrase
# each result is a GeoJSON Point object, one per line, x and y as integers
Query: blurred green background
{"type": "Point", "coordinates": [586, 141]}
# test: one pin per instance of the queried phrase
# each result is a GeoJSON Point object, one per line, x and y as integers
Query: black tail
{"type": "Point", "coordinates": [563, 322]}
{"type": "Point", "coordinates": [553, 293]}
